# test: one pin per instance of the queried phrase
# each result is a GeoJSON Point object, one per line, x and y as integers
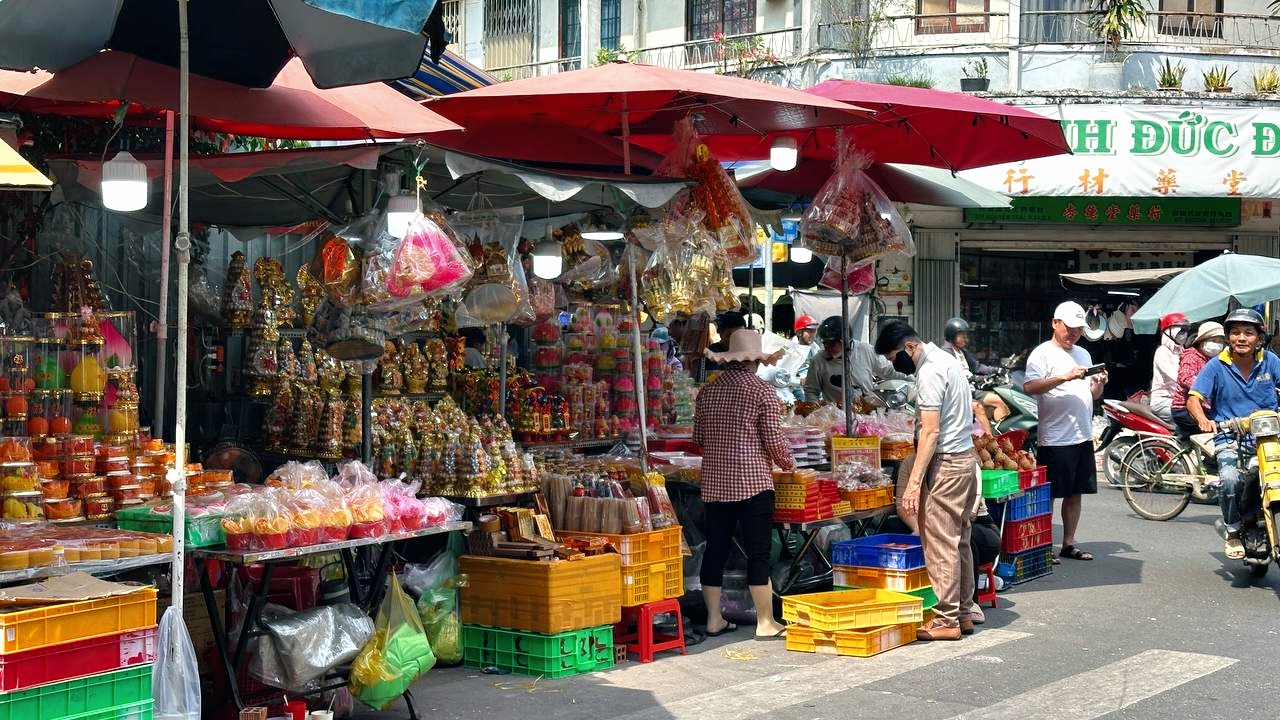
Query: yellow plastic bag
{"type": "Point", "coordinates": [396, 655]}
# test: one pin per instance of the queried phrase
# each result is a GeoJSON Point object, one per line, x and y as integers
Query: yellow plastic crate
{"type": "Point", "coordinates": [852, 609]}
{"type": "Point", "coordinates": [903, 581]}
{"type": "Point", "coordinates": [541, 597]}
{"type": "Point", "coordinates": [655, 581]}
{"type": "Point", "coordinates": [67, 622]}
{"type": "Point", "coordinates": [851, 643]}
{"type": "Point", "coordinates": [639, 548]}
{"type": "Point", "coordinates": [869, 499]}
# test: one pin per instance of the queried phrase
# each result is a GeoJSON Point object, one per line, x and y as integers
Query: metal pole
{"type": "Point", "coordinates": [844, 334]}
{"type": "Point", "coordinates": [166, 237]}
{"type": "Point", "coordinates": [768, 283]}
{"type": "Point", "coordinates": [638, 364]}
{"type": "Point", "coordinates": [366, 415]}
{"type": "Point", "coordinates": [501, 410]}
{"type": "Point", "coordinates": [182, 245]}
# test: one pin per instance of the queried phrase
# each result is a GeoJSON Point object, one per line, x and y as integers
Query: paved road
{"type": "Point", "coordinates": [1156, 627]}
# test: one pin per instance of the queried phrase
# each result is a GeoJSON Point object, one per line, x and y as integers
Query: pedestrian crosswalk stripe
{"type": "Point", "coordinates": [1112, 687]}
{"type": "Point", "coordinates": [828, 677]}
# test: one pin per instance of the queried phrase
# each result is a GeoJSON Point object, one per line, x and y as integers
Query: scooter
{"type": "Point", "coordinates": [1261, 538]}
{"type": "Point", "coordinates": [1127, 421]}
{"type": "Point", "coordinates": [1134, 431]}
{"type": "Point", "coordinates": [1024, 414]}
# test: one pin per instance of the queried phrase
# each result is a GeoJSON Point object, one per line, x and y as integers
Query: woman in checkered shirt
{"type": "Point", "coordinates": [736, 423]}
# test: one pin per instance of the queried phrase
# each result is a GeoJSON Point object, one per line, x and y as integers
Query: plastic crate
{"type": "Point", "coordinates": [199, 531]}
{"type": "Point", "coordinates": [851, 609]}
{"type": "Point", "coordinates": [1020, 535]}
{"type": "Point", "coordinates": [640, 548]}
{"type": "Point", "coordinates": [853, 576]}
{"type": "Point", "coordinates": [542, 597]}
{"type": "Point", "coordinates": [56, 663]}
{"type": "Point", "coordinates": [293, 586]}
{"type": "Point", "coordinates": [1026, 565]}
{"type": "Point", "coordinates": [652, 582]}
{"type": "Point", "coordinates": [1034, 477]}
{"type": "Point", "coordinates": [851, 643]}
{"type": "Point", "coordinates": [1033, 503]}
{"type": "Point", "coordinates": [999, 483]}
{"type": "Point", "coordinates": [887, 550]}
{"type": "Point", "coordinates": [928, 598]}
{"type": "Point", "coordinates": [121, 694]}
{"type": "Point", "coordinates": [555, 656]}
{"type": "Point", "coordinates": [869, 499]}
{"type": "Point", "coordinates": [67, 622]}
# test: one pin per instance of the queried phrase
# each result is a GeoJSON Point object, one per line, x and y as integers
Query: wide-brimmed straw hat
{"type": "Point", "coordinates": [1208, 330]}
{"type": "Point", "coordinates": [744, 346]}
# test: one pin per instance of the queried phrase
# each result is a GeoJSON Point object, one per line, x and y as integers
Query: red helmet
{"type": "Point", "coordinates": [805, 321]}
{"type": "Point", "coordinates": [1172, 320]}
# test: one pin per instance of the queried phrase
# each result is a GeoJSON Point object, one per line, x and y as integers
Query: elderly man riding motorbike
{"type": "Point", "coordinates": [1243, 378]}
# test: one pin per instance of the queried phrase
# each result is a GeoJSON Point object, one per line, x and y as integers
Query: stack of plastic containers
{"type": "Point", "coordinates": [1026, 549]}
{"type": "Point", "coordinates": [856, 623]}
{"type": "Point", "coordinates": [87, 660]}
{"type": "Point", "coordinates": [883, 562]}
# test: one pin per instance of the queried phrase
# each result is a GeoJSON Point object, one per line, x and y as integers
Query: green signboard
{"type": "Point", "coordinates": [1113, 211]}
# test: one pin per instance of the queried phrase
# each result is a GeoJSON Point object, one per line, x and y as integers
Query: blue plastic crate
{"type": "Point", "coordinates": [1028, 565]}
{"type": "Point", "coordinates": [887, 550]}
{"type": "Point", "coordinates": [1032, 503]}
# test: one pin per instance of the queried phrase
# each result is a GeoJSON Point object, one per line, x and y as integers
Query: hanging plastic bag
{"type": "Point", "coordinates": [588, 264]}
{"type": "Point", "coordinates": [861, 277]}
{"type": "Point", "coordinates": [437, 585]}
{"type": "Point", "coordinates": [396, 655]}
{"type": "Point", "coordinates": [429, 258]}
{"type": "Point", "coordinates": [336, 266]}
{"type": "Point", "coordinates": [498, 291]}
{"type": "Point", "coordinates": [176, 682]}
{"type": "Point", "coordinates": [852, 217]}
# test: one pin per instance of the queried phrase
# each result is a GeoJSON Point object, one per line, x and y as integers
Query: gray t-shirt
{"type": "Point", "coordinates": [941, 385]}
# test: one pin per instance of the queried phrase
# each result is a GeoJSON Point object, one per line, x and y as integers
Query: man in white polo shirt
{"type": "Point", "coordinates": [942, 482]}
{"type": "Point", "coordinates": [1057, 374]}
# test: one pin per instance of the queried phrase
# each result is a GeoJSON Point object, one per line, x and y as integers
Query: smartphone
{"type": "Point", "coordinates": [1095, 369]}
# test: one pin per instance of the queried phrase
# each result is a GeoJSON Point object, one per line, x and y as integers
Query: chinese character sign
{"type": "Point", "coordinates": [1149, 151]}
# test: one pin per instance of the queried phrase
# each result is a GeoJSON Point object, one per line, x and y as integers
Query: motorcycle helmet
{"type": "Point", "coordinates": [830, 330]}
{"type": "Point", "coordinates": [804, 322]}
{"type": "Point", "coordinates": [1171, 320]}
{"type": "Point", "coordinates": [1178, 324]}
{"type": "Point", "coordinates": [954, 327]}
{"type": "Point", "coordinates": [1242, 315]}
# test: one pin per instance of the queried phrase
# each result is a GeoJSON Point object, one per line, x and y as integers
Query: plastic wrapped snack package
{"type": "Point", "coordinates": [295, 475]}
{"type": "Point", "coordinates": [852, 217]}
{"type": "Point", "coordinates": [396, 655]}
{"type": "Point", "coordinates": [429, 258]}
{"type": "Point", "coordinates": [308, 510]}
{"type": "Point", "coordinates": [335, 518]}
{"type": "Point", "coordinates": [336, 267]}
{"type": "Point", "coordinates": [498, 290]}
{"type": "Point", "coordinates": [860, 277]}
{"type": "Point", "coordinates": [368, 510]}
{"type": "Point", "coordinates": [256, 521]}
{"type": "Point", "coordinates": [403, 509]}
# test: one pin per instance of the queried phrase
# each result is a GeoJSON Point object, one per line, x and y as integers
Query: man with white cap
{"type": "Point", "coordinates": [1057, 375]}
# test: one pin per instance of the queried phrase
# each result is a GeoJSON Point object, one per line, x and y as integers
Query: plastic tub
{"type": "Point", "coordinates": [852, 609]}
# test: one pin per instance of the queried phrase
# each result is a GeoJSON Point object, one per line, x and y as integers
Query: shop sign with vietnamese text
{"type": "Point", "coordinates": [1112, 211]}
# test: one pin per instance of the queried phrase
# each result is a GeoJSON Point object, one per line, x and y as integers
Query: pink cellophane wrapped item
{"type": "Point", "coordinates": [450, 266]}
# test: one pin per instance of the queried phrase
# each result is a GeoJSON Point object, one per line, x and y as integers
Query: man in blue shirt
{"type": "Point", "coordinates": [1241, 380]}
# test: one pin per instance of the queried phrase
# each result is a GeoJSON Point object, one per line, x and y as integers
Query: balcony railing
{"type": "Point", "coordinates": [1071, 27]}
{"type": "Point", "coordinates": [862, 39]}
{"type": "Point", "coordinates": [734, 53]}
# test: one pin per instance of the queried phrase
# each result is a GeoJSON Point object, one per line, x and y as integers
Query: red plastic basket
{"type": "Point", "coordinates": [67, 661]}
{"type": "Point", "coordinates": [1022, 535]}
{"type": "Point", "coordinates": [1028, 479]}
{"type": "Point", "coordinates": [297, 588]}
{"type": "Point", "coordinates": [1016, 438]}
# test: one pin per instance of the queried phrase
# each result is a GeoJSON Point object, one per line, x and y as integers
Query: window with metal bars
{"type": "Point", "coordinates": [951, 16]}
{"type": "Point", "coordinates": [509, 30]}
{"type": "Point", "coordinates": [610, 23]}
{"type": "Point", "coordinates": [705, 18]}
{"type": "Point", "coordinates": [570, 29]}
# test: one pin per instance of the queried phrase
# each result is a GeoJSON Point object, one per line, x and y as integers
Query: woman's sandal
{"type": "Point", "coordinates": [1074, 553]}
{"type": "Point", "coordinates": [728, 628]}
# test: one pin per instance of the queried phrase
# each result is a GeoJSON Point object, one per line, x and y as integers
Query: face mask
{"type": "Point", "coordinates": [903, 363]}
{"type": "Point", "coordinates": [1213, 347]}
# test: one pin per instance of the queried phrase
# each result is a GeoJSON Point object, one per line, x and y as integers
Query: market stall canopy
{"type": "Point", "coordinates": [450, 74]}
{"type": "Point", "coordinates": [18, 174]}
{"type": "Point", "coordinates": [560, 146]}
{"type": "Point", "coordinates": [293, 107]}
{"type": "Point", "coordinates": [286, 187]}
{"type": "Point", "coordinates": [914, 125]}
{"type": "Point", "coordinates": [1123, 278]}
{"type": "Point", "coordinates": [245, 42]}
{"type": "Point", "coordinates": [765, 187]}
{"type": "Point", "coordinates": [1207, 290]}
{"type": "Point", "coordinates": [622, 99]}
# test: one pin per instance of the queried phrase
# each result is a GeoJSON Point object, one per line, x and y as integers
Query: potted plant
{"type": "Point", "coordinates": [1218, 79]}
{"type": "Point", "coordinates": [1114, 21]}
{"type": "Point", "coordinates": [975, 76]}
{"type": "Point", "coordinates": [1170, 76]}
{"type": "Point", "coordinates": [1267, 81]}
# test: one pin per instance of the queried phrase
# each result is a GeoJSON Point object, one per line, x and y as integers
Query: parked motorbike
{"type": "Point", "coordinates": [1023, 411]}
{"type": "Point", "coordinates": [1136, 438]}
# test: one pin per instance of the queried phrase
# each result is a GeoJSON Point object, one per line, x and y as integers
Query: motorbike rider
{"type": "Point", "coordinates": [1241, 380]}
{"type": "Point", "coordinates": [826, 371]}
{"type": "Point", "coordinates": [806, 329]}
{"type": "Point", "coordinates": [1174, 331]}
{"type": "Point", "coordinates": [1210, 340]}
{"type": "Point", "coordinates": [956, 334]}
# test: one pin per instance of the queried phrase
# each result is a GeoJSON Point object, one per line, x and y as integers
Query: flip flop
{"type": "Point", "coordinates": [780, 635]}
{"type": "Point", "coordinates": [728, 628]}
{"type": "Point", "coordinates": [1074, 553]}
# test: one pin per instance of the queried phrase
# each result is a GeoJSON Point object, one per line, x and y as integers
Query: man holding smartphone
{"type": "Point", "coordinates": [1064, 381]}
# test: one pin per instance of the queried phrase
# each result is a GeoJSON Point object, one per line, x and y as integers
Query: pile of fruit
{"type": "Point", "coordinates": [999, 454]}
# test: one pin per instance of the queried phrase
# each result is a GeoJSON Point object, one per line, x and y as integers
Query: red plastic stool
{"type": "Point", "coordinates": [988, 595]}
{"type": "Point", "coordinates": [642, 640]}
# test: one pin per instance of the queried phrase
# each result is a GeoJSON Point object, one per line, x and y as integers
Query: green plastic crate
{"type": "Point", "coordinates": [555, 656]}
{"type": "Point", "coordinates": [926, 595]}
{"type": "Point", "coordinates": [200, 531]}
{"type": "Point", "coordinates": [123, 695]}
{"type": "Point", "coordinates": [999, 483]}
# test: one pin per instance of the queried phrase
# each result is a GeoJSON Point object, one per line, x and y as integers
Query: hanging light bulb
{"type": "Point", "coordinates": [547, 261]}
{"type": "Point", "coordinates": [594, 230]}
{"type": "Point", "coordinates": [784, 154]}
{"type": "Point", "coordinates": [400, 212]}
{"type": "Point", "coordinates": [799, 252]}
{"type": "Point", "coordinates": [124, 183]}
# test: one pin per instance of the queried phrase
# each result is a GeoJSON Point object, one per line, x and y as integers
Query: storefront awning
{"type": "Point", "coordinates": [1151, 276]}
{"type": "Point", "coordinates": [435, 79]}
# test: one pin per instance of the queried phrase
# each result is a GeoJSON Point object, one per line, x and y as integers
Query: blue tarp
{"type": "Point", "coordinates": [407, 15]}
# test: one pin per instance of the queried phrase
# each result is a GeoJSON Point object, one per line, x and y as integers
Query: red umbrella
{"type": "Point", "coordinates": [631, 99]}
{"type": "Point", "coordinates": [917, 126]}
{"type": "Point", "coordinates": [292, 108]}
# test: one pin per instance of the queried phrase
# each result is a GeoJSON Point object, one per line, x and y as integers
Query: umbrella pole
{"type": "Point", "coordinates": [166, 237]}
{"type": "Point", "coordinates": [182, 244]}
{"type": "Point", "coordinates": [844, 335]}
{"type": "Point", "coordinates": [637, 361]}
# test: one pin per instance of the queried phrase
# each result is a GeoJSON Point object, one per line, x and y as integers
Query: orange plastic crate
{"type": "Point", "coordinates": [541, 597]}
{"type": "Point", "coordinates": [652, 582]}
{"type": "Point", "coordinates": [851, 643]}
{"type": "Point", "coordinates": [68, 622]}
{"type": "Point", "coordinates": [640, 548]}
{"type": "Point", "coordinates": [857, 576]}
{"type": "Point", "coordinates": [851, 609]}
{"type": "Point", "coordinates": [869, 499]}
